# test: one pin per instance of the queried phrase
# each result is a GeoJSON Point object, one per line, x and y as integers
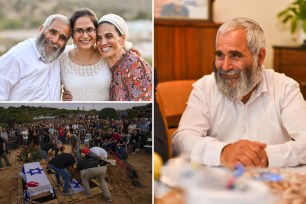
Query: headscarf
{"type": "Point", "coordinates": [120, 24]}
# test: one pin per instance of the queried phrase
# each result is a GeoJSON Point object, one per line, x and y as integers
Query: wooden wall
{"type": "Point", "coordinates": [183, 49]}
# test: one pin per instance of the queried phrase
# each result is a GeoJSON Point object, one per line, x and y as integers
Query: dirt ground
{"type": "Point", "coordinates": [123, 189]}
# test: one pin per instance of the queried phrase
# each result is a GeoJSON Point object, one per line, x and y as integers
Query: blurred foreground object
{"type": "Point", "coordinates": [158, 162]}
{"type": "Point", "coordinates": [191, 183]}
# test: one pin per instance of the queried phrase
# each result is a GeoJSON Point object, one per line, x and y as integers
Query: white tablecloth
{"type": "Point", "coordinates": [34, 173]}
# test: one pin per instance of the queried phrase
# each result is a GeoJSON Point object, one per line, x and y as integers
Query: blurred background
{"type": "Point", "coordinates": [21, 19]}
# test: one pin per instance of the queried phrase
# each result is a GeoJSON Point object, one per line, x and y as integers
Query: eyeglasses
{"type": "Point", "coordinates": [81, 31]}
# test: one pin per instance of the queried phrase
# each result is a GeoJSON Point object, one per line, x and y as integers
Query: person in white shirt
{"type": "Point", "coordinates": [99, 152]}
{"type": "Point", "coordinates": [25, 136]}
{"type": "Point", "coordinates": [85, 74]}
{"type": "Point", "coordinates": [4, 135]}
{"type": "Point", "coordinates": [242, 112]}
{"type": "Point", "coordinates": [30, 70]}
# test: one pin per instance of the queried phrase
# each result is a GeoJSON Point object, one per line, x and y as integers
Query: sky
{"type": "Point", "coordinates": [74, 106]}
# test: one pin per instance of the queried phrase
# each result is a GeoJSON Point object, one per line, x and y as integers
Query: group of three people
{"type": "Point", "coordinates": [100, 67]}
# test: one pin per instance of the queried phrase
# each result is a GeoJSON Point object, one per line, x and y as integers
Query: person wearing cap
{"type": "Point", "coordinates": [243, 113]}
{"type": "Point", "coordinates": [131, 74]}
{"type": "Point", "coordinates": [30, 71]}
{"type": "Point", "coordinates": [90, 167]}
{"type": "Point", "coordinates": [85, 151]}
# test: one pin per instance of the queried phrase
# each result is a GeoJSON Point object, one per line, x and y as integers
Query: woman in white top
{"type": "Point", "coordinates": [25, 135]}
{"type": "Point", "coordinates": [84, 73]}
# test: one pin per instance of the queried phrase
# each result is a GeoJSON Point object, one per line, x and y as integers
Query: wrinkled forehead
{"type": "Point", "coordinates": [235, 37]}
{"type": "Point", "coordinates": [60, 27]}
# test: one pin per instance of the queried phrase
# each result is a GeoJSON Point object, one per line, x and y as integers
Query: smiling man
{"type": "Point", "coordinates": [242, 112]}
{"type": "Point", "coordinates": [30, 70]}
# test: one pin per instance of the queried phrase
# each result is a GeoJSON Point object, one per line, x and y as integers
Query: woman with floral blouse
{"type": "Point", "coordinates": [131, 74]}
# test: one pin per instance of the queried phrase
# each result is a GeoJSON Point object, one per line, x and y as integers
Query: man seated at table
{"type": "Point", "coordinates": [62, 164]}
{"type": "Point", "coordinates": [90, 167]}
{"type": "Point", "coordinates": [242, 112]}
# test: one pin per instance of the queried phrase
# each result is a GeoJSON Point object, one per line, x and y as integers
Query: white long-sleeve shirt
{"type": "Point", "coordinates": [24, 76]}
{"type": "Point", "coordinates": [98, 151]}
{"type": "Point", "coordinates": [85, 83]}
{"type": "Point", "coordinates": [275, 114]}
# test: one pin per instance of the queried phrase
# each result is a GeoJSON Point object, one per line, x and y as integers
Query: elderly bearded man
{"type": "Point", "coordinates": [243, 113]}
{"type": "Point", "coordinates": [30, 70]}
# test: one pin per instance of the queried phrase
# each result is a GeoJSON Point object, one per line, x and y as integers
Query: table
{"type": "Point", "coordinates": [33, 172]}
{"type": "Point", "coordinates": [183, 183]}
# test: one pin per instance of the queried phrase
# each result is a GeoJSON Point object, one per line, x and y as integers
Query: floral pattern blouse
{"type": "Point", "coordinates": [131, 79]}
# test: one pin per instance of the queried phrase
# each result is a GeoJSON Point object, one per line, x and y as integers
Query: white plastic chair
{"type": "Point", "coordinates": [87, 139]}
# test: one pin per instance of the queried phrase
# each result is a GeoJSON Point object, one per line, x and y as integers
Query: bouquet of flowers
{"type": "Point", "coordinates": [29, 153]}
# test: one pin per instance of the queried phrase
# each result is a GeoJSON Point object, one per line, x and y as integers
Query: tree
{"type": "Point", "coordinates": [110, 113]}
{"type": "Point", "coordinates": [294, 13]}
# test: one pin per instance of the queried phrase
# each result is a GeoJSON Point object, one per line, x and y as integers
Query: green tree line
{"type": "Point", "coordinates": [26, 114]}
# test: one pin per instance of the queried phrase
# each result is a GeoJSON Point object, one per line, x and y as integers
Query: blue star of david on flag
{"type": "Point", "coordinates": [76, 186]}
{"type": "Point", "coordinates": [34, 171]}
{"type": "Point", "coordinates": [75, 183]}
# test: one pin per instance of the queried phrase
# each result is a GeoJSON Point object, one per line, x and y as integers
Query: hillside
{"type": "Point", "coordinates": [26, 114]}
{"type": "Point", "coordinates": [24, 14]}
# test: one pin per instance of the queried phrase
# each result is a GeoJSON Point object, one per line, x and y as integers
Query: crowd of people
{"type": "Point", "coordinates": [97, 137]}
{"type": "Point", "coordinates": [106, 133]}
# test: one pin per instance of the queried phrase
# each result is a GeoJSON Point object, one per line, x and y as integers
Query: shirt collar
{"type": "Point", "coordinates": [261, 87]}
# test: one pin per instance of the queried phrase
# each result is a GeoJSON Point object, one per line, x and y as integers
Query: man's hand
{"type": "Point", "coordinates": [67, 95]}
{"type": "Point", "coordinates": [245, 152]}
{"type": "Point", "coordinates": [50, 153]}
{"type": "Point", "coordinates": [135, 52]}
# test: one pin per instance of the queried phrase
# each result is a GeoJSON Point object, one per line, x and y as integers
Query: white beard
{"type": "Point", "coordinates": [48, 56]}
{"type": "Point", "coordinates": [236, 89]}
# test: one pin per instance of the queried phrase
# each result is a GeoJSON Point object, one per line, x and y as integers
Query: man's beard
{"type": "Point", "coordinates": [48, 50]}
{"type": "Point", "coordinates": [236, 88]}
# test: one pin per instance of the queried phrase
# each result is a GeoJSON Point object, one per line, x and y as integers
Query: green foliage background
{"type": "Point", "coordinates": [25, 114]}
{"type": "Point", "coordinates": [32, 13]}
{"type": "Point", "coordinates": [110, 113]}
